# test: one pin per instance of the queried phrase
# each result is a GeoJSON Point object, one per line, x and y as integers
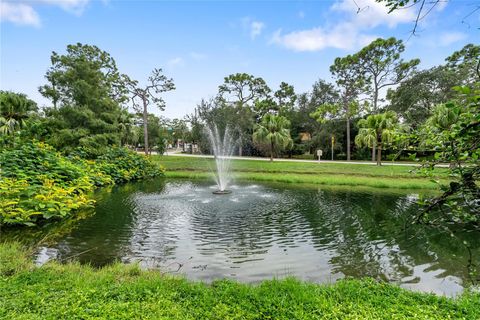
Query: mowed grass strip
{"type": "Point", "coordinates": [398, 177]}
{"type": "Point", "coordinates": [74, 291]}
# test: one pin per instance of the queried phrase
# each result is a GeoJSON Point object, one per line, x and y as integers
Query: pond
{"type": "Point", "coordinates": [265, 230]}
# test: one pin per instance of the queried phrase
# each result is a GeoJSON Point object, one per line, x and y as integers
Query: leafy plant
{"type": "Point", "coordinates": [453, 131]}
{"type": "Point", "coordinates": [377, 130]}
{"type": "Point", "coordinates": [38, 183]}
{"type": "Point", "coordinates": [273, 131]}
{"type": "Point", "coordinates": [123, 165]}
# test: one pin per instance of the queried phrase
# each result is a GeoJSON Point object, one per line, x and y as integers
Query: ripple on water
{"type": "Point", "coordinates": [263, 231]}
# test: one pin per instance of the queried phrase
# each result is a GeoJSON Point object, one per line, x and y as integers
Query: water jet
{"type": "Point", "coordinates": [222, 148]}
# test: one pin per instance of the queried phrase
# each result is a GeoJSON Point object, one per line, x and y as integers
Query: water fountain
{"type": "Point", "coordinates": [222, 148]}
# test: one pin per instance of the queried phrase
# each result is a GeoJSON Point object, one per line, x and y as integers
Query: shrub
{"type": "Point", "coordinates": [39, 183]}
{"type": "Point", "coordinates": [37, 161]}
{"type": "Point", "coordinates": [124, 165]}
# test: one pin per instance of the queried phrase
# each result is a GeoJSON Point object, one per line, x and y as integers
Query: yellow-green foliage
{"type": "Point", "coordinates": [25, 203]}
{"type": "Point", "coordinates": [38, 183]}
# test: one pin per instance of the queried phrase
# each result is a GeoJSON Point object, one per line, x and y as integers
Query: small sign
{"type": "Point", "coordinates": [319, 153]}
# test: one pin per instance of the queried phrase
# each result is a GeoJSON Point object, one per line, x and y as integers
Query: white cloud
{"type": "Point", "coordinates": [366, 39]}
{"type": "Point", "coordinates": [348, 34]}
{"type": "Point", "coordinates": [73, 6]}
{"type": "Point", "coordinates": [19, 13]}
{"type": "Point", "coordinates": [254, 28]}
{"type": "Point", "coordinates": [440, 5]}
{"type": "Point", "coordinates": [370, 14]}
{"type": "Point", "coordinates": [449, 38]}
{"type": "Point", "coordinates": [340, 37]}
{"type": "Point", "coordinates": [198, 56]}
{"type": "Point", "coordinates": [22, 12]}
{"type": "Point", "coordinates": [176, 62]}
{"type": "Point", "coordinates": [343, 36]}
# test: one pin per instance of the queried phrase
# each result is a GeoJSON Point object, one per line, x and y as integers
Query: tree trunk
{"type": "Point", "coordinates": [240, 144]}
{"type": "Point", "coordinates": [379, 155]}
{"type": "Point", "coordinates": [145, 126]}
{"type": "Point", "coordinates": [54, 95]}
{"type": "Point", "coordinates": [271, 150]}
{"type": "Point", "coordinates": [348, 138]}
{"type": "Point", "coordinates": [375, 106]}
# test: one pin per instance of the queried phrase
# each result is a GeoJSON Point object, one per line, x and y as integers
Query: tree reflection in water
{"type": "Point", "coordinates": [269, 230]}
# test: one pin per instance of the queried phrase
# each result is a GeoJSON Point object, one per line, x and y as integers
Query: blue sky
{"type": "Point", "coordinates": [198, 43]}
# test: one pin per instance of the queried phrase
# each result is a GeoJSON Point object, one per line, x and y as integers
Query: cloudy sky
{"type": "Point", "coordinates": [198, 43]}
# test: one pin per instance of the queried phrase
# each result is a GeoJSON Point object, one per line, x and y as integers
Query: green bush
{"type": "Point", "coordinates": [124, 165]}
{"type": "Point", "coordinates": [39, 183]}
{"type": "Point", "coordinates": [37, 161]}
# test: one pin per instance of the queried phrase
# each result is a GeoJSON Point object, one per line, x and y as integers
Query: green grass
{"type": "Point", "coordinates": [398, 177]}
{"type": "Point", "coordinates": [74, 291]}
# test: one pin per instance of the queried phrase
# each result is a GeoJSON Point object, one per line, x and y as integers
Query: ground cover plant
{"type": "Point", "coordinates": [120, 291]}
{"type": "Point", "coordinates": [38, 183]}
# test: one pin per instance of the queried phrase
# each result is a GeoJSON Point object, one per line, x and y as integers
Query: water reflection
{"type": "Point", "coordinates": [268, 230]}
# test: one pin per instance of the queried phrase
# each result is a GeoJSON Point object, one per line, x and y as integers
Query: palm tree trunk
{"type": "Point", "coordinates": [373, 151]}
{"type": "Point", "coordinates": [271, 150]}
{"type": "Point", "coordinates": [145, 125]}
{"type": "Point", "coordinates": [379, 155]}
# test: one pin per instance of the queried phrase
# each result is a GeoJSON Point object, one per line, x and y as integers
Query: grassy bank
{"type": "Point", "coordinates": [398, 177]}
{"type": "Point", "coordinates": [72, 291]}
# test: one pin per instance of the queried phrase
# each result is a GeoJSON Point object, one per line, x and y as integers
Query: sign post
{"type": "Point", "coordinates": [319, 154]}
{"type": "Point", "coordinates": [333, 143]}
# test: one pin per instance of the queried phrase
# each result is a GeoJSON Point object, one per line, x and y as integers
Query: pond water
{"type": "Point", "coordinates": [262, 231]}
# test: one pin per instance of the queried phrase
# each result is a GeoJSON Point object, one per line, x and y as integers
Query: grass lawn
{"type": "Point", "coordinates": [399, 177]}
{"type": "Point", "coordinates": [73, 291]}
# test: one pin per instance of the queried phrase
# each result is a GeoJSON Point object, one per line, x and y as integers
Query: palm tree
{"type": "Point", "coordinates": [443, 117]}
{"type": "Point", "coordinates": [377, 130]}
{"type": "Point", "coordinates": [15, 109]}
{"type": "Point", "coordinates": [8, 126]}
{"type": "Point", "coordinates": [273, 130]}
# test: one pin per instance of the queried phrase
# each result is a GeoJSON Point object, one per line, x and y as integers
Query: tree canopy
{"type": "Point", "coordinates": [87, 92]}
